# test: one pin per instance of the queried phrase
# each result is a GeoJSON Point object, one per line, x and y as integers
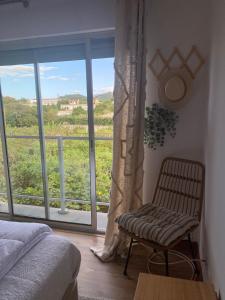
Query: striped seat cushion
{"type": "Point", "coordinates": [157, 224]}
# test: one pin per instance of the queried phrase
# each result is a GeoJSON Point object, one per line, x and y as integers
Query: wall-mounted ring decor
{"type": "Point", "coordinates": [175, 75]}
{"type": "Point", "coordinates": [174, 88]}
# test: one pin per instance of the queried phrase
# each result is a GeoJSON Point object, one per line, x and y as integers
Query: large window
{"type": "Point", "coordinates": [58, 110]}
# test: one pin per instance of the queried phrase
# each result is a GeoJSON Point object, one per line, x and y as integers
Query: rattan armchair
{"type": "Point", "coordinates": [174, 212]}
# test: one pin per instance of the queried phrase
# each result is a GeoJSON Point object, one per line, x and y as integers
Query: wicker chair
{"type": "Point", "coordinates": [174, 212]}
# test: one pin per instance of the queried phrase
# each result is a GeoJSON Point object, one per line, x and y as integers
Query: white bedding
{"type": "Point", "coordinates": [44, 272]}
{"type": "Point", "coordinates": [16, 239]}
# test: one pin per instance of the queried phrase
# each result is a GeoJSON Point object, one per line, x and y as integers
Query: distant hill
{"type": "Point", "coordinates": [72, 97]}
{"type": "Point", "coordinates": [101, 97]}
{"type": "Point", "coordinates": [105, 96]}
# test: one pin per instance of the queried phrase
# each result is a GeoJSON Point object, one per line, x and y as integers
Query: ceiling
{"type": "Point", "coordinates": [24, 2]}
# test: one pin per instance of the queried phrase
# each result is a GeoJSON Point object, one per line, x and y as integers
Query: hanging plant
{"type": "Point", "coordinates": [159, 122]}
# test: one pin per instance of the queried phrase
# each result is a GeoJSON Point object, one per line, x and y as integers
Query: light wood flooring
{"type": "Point", "coordinates": [106, 280]}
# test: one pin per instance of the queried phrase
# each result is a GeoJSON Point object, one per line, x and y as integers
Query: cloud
{"type": "Point", "coordinates": [26, 75]}
{"type": "Point", "coordinates": [57, 77]}
{"type": "Point", "coordinates": [18, 72]}
{"type": "Point", "coordinates": [22, 71]}
{"type": "Point", "coordinates": [43, 69]}
{"type": "Point", "coordinates": [103, 90]}
{"type": "Point", "coordinates": [15, 71]}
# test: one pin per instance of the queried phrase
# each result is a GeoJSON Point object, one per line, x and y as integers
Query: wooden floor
{"type": "Point", "coordinates": [105, 280]}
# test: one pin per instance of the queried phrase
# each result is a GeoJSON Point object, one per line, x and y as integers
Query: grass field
{"type": "Point", "coordinates": [24, 153]}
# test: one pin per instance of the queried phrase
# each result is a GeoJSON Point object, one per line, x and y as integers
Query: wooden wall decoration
{"type": "Point", "coordinates": [193, 62]}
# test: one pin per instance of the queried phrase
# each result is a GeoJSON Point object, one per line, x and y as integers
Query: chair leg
{"type": "Point", "coordinates": [167, 262]}
{"type": "Point", "coordinates": [193, 254]}
{"type": "Point", "coordinates": [128, 258]}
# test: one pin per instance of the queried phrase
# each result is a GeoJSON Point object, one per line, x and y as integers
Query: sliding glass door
{"type": "Point", "coordinates": [56, 135]}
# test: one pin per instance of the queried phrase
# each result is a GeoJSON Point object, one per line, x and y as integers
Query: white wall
{"type": "Point", "coordinates": [182, 24]}
{"type": "Point", "coordinates": [213, 238]}
{"type": "Point", "coordinates": [201, 129]}
{"type": "Point", "coordinates": [54, 17]}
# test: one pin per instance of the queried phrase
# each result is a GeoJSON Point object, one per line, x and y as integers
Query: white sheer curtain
{"type": "Point", "coordinates": [129, 102]}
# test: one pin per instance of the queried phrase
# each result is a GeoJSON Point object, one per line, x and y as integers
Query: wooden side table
{"type": "Point", "coordinates": [154, 287]}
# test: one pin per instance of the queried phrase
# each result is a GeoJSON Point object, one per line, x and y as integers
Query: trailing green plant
{"type": "Point", "coordinates": [159, 122]}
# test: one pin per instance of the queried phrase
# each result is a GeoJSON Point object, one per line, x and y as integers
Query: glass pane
{"type": "Point", "coordinates": [64, 99]}
{"type": "Point", "coordinates": [21, 122]}
{"type": "Point", "coordinates": [103, 82]}
{"type": "Point", "coordinates": [103, 156]}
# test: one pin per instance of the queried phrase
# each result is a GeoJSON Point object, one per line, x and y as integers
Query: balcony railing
{"type": "Point", "coordinates": [60, 149]}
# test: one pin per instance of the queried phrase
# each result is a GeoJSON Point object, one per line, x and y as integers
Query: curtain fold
{"type": "Point", "coordinates": [128, 122]}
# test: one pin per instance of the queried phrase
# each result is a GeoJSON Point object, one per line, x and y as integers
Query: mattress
{"type": "Point", "coordinates": [44, 273]}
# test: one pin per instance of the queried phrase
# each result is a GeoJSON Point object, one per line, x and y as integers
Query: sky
{"type": "Point", "coordinates": [57, 78]}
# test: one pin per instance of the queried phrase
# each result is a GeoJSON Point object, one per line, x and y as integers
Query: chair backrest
{"type": "Point", "coordinates": [180, 186]}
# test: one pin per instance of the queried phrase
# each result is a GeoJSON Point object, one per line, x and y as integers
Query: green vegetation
{"type": "Point", "coordinates": [64, 119]}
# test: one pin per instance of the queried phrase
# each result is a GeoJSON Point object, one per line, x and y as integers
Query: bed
{"type": "Point", "coordinates": [47, 270]}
